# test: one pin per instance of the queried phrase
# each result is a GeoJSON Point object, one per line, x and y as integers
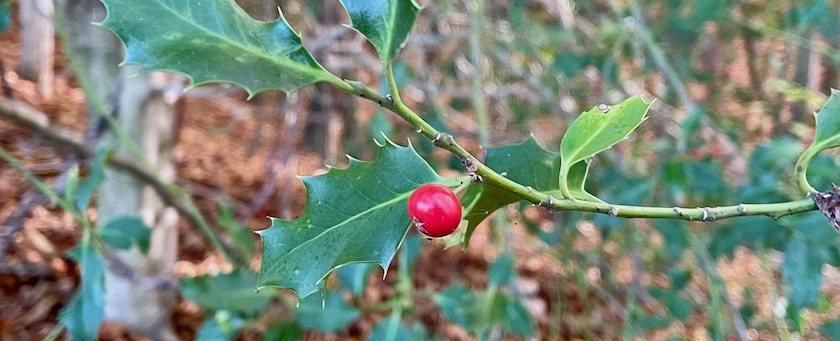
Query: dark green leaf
{"type": "Point", "coordinates": [86, 310]}
{"type": "Point", "coordinates": [354, 276]}
{"type": "Point", "coordinates": [352, 215]}
{"type": "Point", "coordinates": [390, 329]}
{"type": "Point", "coordinates": [385, 23]}
{"type": "Point", "coordinates": [676, 236]}
{"type": "Point", "coordinates": [330, 315]}
{"type": "Point", "coordinates": [831, 330]}
{"type": "Point", "coordinates": [289, 331]}
{"type": "Point", "coordinates": [243, 237]}
{"type": "Point", "coordinates": [123, 232]}
{"type": "Point", "coordinates": [746, 231]}
{"type": "Point", "coordinates": [234, 292]}
{"type": "Point", "coordinates": [213, 41]}
{"type": "Point", "coordinates": [679, 278]}
{"type": "Point", "coordinates": [828, 123]}
{"type": "Point", "coordinates": [526, 163]}
{"type": "Point", "coordinates": [519, 321]}
{"type": "Point", "coordinates": [89, 184]}
{"type": "Point", "coordinates": [679, 307]}
{"type": "Point", "coordinates": [222, 326]}
{"type": "Point", "coordinates": [502, 270]}
{"type": "Point", "coordinates": [648, 322]}
{"type": "Point", "coordinates": [458, 305]}
{"type": "Point", "coordinates": [5, 14]}
{"type": "Point", "coordinates": [802, 270]}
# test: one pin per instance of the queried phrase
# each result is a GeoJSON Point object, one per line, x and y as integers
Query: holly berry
{"type": "Point", "coordinates": [435, 210]}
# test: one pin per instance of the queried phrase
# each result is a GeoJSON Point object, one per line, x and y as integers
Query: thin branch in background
{"type": "Point", "coordinates": [38, 122]}
{"type": "Point", "coordinates": [716, 283]}
{"type": "Point", "coordinates": [479, 105]}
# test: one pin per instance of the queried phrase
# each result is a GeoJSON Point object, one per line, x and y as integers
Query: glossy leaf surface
{"type": "Point", "coordinates": [597, 130]}
{"type": "Point", "coordinates": [352, 215]}
{"type": "Point", "coordinates": [213, 41]}
{"type": "Point", "coordinates": [385, 23]}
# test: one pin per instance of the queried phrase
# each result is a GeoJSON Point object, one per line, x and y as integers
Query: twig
{"type": "Point", "coordinates": [37, 121]}
{"type": "Point", "coordinates": [7, 89]}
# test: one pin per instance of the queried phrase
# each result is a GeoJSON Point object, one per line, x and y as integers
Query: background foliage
{"type": "Point", "coordinates": [735, 84]}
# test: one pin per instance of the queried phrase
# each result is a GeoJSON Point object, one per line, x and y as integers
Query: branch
{"type": "Point", "coordinates": [38, 122]}
{"type": "Point", "coordinates": [482, 173]}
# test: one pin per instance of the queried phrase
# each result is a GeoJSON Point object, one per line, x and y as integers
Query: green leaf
{"type": "Point", "coordinates": [469, 310]}
{"type": "Point", "coordinates": [679, 307]}
{"type": "Point", "coordinates": [354, 276]}
{"type": "Point", "coordinates": [353, 215]}
{"type": "Point", "coordinates": [123, 232]}
{"type": "Point", "coordinates": [5, 15]}
{"type": "Point", "coordinates": [213, 41]}
{"type": "Point", "coordinates": [502, 270]}
{"type": "Point", "coordinates": [89, 184]}
{"type": "Point", "coordinates": [526, 163]}
{"type": "Point", "coordinates": [289, 331]}
{"type": "Point", "coordinates": [221, 326]}
{"type": "Point", "coordinates": [519, 321]}
{"type": "Point", "coordinates": [802, 270]}
{"type": "Point", "coordinates": [385, 23]}
{"type": "Point", "coordinates": [327, 315]}
{"type": "Point", "coordinates": [86, 310]}
{"type": "Point", "coordinates": [597, 130]}
{"type": "Point", "coordinates": [232, 292]}
{"type": "Point", "coordinates": [831, 330]}
{"type": "Point", "coordinates": [458, 305]}
{"type": "Point", "coordinates": [676, 236]}
{"type": "Point", "coordinates": [828, 123]}
{"type": "Point", "coordinates": [390, 329]}
{"type": "Point", "coordinates": [243, 237]}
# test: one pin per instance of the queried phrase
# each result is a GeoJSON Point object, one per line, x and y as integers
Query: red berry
{"type": "Point", "coordinates": [435, 210]}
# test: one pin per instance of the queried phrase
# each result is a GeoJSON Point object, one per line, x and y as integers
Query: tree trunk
{"type": "Point", "coordinates": [133, 297]}
{"type": "Point", "coordinates": [38, 39]}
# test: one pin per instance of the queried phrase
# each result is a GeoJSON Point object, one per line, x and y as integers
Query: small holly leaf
{"type": "Point", "coordinates": [595, 131]}
{"type": "Point", "coordinates": [89, 184]}
{"type": "Point", "coordinates": [326, 315]}
{"type": "Point", "coordinates": [232, 292]}
{"type": "Point", "coordinates": [123, 232]}
{"type": "Point", "coordinates": [352, 215]}
{"type": "Point", "coordinates": [213, 41]}
{"type": "Point", "coordinates": [828, 123]}
{"type": "Point", "coordinates": [83, 315]}
{"type": "Point", "coordinates": [385, 23]}
{"type": "Point", "coordinates": [526, 163]}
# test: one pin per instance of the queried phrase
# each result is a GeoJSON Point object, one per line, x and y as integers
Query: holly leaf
{"type": "Point", "coordinates": [828, 123]}
{"type": "Point", "coordinates": [213, 41]}
{"type": "Point", "coordinates": [86, 310]}
{"type": "Point", "coordinates": [123, 232]}
{"type": "Point", "coordinates": [5, 14]}
{"type": "Point", "coordinates": [526, 163]}
{"type": "Point", "coordinates": [232, 292]}
{"type": "Point", "coordinates": [385, 23]}
{"type": "Point", "coordinates": [595, 131]}
{"type": "Point", "coordinates": [352, 215]}
{"type": "Point", "coordinates": [328, 314]}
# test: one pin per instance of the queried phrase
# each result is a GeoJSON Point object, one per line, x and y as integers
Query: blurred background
{"type": "Point", "coordinates": [736, 85]}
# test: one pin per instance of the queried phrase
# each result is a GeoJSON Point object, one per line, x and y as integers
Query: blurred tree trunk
{"type": "Point", "coordinates": [38, 40]}
{"type": "Point", "coordinates": [138, 104]}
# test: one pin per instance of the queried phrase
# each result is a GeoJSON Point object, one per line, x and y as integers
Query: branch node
{"type": "Point", "coordinates": [678, 211]}
{"type": "Point", "coordinates": [613, 211]}
{"type": "Point", "coordinates": [437, 137]}
{"type": "Point", "coordinates": [548, 202]}
{"type": "Point", "coordinates": [742, 208]}
{"type": "Point", "coordinates": [707, 214]}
